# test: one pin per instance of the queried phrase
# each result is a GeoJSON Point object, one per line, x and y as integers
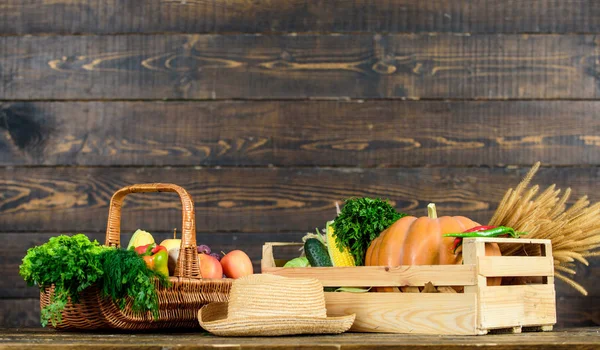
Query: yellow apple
{"type": "Point", "coordinates": [173, 245]}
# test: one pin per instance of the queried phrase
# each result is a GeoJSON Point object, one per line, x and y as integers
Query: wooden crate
{"type": "Point", "coordinates": [526, 303]}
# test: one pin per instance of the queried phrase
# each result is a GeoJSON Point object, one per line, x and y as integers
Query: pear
{"type": "Point", "coordinates": [140, 238]}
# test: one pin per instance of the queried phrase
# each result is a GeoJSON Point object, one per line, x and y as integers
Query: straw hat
{"type": "Point", "coordinates": [264, 304]}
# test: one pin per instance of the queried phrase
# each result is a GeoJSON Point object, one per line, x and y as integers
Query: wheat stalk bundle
{"type": "Point", "coordinates": [574, 232]}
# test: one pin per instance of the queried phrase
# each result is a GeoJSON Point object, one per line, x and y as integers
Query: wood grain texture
{"type": "Point", "coordinates": [507, 266]}
{"type": "Point", "coordinates": [298, 67]}
{"type": "Point", "coordinates": [585, 275]}
{"type": "Point", "coordinates": [383, 276]}
{"type": "Point", "coordinates": [428, 313]}
{"type": "Point", "coordinates": [578, 311]}
{"type": "Point", "coordinates": [201, 16]}
{"type": "Point", "coordinates": [571, 312]}
{"type": "Point", "coordinates": [71, 199]}
{"type": "Point", "coordinates": [472, 250]}
{"type": "Point", "coordinates": [300, 133]}
{"type": "Point", "coordinates": [20, 312]}
{"type": "Point", "coordinates": [573, 339]}
{"type": "Point", "coordinates": [527, 305]}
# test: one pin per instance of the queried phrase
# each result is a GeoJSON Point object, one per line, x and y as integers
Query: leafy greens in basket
{"type": "Point", "coordinates": [74, 263]}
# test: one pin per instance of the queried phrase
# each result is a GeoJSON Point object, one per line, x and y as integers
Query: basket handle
{"type": "Point", "coordinates": [187, 263]}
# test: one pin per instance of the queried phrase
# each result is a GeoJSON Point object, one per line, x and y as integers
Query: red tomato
{"type": "Point", "coordinates": [236, 264]}
{"type": "Point", "coordinates": [210, 267]}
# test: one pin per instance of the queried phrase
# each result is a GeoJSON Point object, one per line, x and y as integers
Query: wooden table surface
{"type": "Point", "coordinates": [573, 339]}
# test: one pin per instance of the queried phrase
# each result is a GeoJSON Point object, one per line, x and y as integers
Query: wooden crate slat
{"type": "Point", "coordinates": [472, 250]}
{"type": "Point", "coordinates": [509, 306]}
{"type": "Point", "coordinates": [406, 312]}
{"type": "Point", "coordinates": [506, 266]}
{"type": "Point", "coordinates": [383, 276]}
{"type": "Point", "coordinates": [547, 251]}
{"type": "Point", "coordinates": [522, 240]}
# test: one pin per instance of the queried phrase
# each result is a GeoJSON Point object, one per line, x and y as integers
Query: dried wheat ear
{"type": "Point", "coordinates": [574, 232]}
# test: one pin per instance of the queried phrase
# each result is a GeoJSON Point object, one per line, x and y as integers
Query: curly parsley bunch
{"type": "Point", "coordinates": [71, 264]}
{"type": "Point", "coordinates": [360, 221]}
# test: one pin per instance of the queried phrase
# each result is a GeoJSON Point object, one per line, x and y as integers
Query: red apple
{"type": "Point", "coordinates": [236, 264]}
{"type": "Point", "coordinates": [210, 267]}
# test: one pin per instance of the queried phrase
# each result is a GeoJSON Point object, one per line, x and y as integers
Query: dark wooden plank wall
{"type": "Point", "coordinates": [270, 111]}
{"type": "Point", "coordinates": [340, 16]}
{"type": "Point", "coordinates": [282, 66]}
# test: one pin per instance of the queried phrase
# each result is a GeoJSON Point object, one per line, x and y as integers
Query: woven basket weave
{"type": "Point", "coordinates": [178, 304]}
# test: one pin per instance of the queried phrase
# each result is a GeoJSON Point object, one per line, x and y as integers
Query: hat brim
{"type": "Point", "coordinates": [213, 318]}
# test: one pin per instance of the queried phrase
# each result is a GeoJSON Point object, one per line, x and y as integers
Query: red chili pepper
{"type": "Point", "coordinates": [480, 228]}
{"type": "Point", "coordinates": [456, 244]}
{"type": "Point", "coordinates": [458, 240]}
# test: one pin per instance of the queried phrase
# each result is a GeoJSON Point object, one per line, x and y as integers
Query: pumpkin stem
{"type": "Point", "coordinates": [431, 211]}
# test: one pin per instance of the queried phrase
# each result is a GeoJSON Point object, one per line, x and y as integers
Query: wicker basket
{"type": "Point", "coordinates": [178, 304]}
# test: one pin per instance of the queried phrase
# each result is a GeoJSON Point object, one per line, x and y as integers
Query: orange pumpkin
{"type": "Point", "coordinates": [420, 241]}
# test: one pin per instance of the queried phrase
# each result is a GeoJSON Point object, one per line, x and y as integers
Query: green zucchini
{"type": "Point", "coordinates": [316, 253]}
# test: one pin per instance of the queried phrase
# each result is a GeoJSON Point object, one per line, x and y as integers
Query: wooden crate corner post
{"type": "Point", "coordinates": [529, 304]}
{"type": "Point", "coordinates": [268, 262]}
{"type": "Point", "coordinates": [267, 259]}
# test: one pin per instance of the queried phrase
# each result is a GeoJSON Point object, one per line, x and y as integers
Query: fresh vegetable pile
{"type": "Point", "coordinates": [371, 232]}
{"type": "Point", "coordinates": [71, 264]}
{"type": "Point", "coordinates": [346, 239]}
{"type": "Point", "coordinates": [213, 265]}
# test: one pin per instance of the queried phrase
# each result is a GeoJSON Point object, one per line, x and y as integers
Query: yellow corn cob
{"type": "Point", "coordinates": [338, 258]}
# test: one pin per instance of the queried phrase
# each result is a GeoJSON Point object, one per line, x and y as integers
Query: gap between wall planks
{"type": "Point", "coordinates": [403, 66]}
{"type": "Point", "coordinates": [356, 16]}
{"type": "Point", "coordinates": [300, 133]}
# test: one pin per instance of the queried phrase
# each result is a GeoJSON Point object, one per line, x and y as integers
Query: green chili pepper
{"type": "Point", "coordinates": [478, 232]}
{"type": "Point", "coordinates": [494, 232]}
